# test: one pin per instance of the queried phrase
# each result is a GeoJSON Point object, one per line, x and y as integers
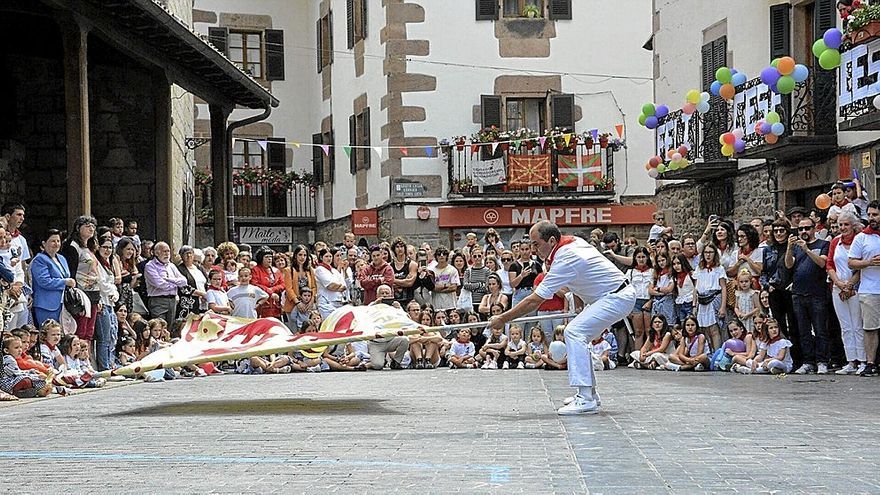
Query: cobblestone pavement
{"type": "Point", "coordinates": [464, 431]}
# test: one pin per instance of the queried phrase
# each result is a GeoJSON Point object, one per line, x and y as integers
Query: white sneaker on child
{"type": "Point", "coordinates": [580, 405]}
{"type": "Point", "coordinates": [521, 366]}
{"type": "Point", "coordinates": [673, 367]}
{"type": "Point", "coordinates": [612, 365]}
{"type": "Point", "coordinates": [505, 366]}
{"type": "Point", "coordinates": [849, 369]}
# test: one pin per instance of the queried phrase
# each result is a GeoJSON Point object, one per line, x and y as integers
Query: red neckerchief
{"type": "Point", "coordinates": [842, 203]}
{"type": "Point", "coordinates": [681, 278]}
{"type": "Point", "coordinates": [846, 240]}
{"type": "Point", "coordinates": [15, 233]}
{"type": "Point", "coordinates": [775, 339]}
{"type": "Point", "coordinates": [746, 250]}
{"type": "Point", "coordinates": [868, 230]}
{"type": "Point", "coordinates": [566, 239]}
{"type": "Point", "coordinates": [646, 268]}
{"type": "Point", "coordinates": [325, 265]}
{"type": "Point", "coordinates": [463, 341]}
{"type": "Point", "coordinates": [664, 271]}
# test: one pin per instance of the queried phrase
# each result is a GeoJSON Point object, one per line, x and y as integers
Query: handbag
{"type": "Point", "coordinates": [708, 297]}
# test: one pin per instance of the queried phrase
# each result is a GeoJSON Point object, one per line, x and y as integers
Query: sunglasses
{"type": "Point", "coordinates": [781, 229]}
{"type": "Point", "coordinates": [506, 260]}
{"type": "Point", "coordinates": [804, 229]}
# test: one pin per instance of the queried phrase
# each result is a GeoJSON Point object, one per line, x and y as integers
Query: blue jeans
{"type": "Point", "coordinates": [682, 311]}
{"type": "Point", "coordinates": [811, 313]}
{"type": "Point", "coordinates": [519, 295]}
{"type": "Point", "coordinates": [105, 338]}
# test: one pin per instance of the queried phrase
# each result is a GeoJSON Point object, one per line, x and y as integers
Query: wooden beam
{"type": "Point", "coordinates": [76, 108]}
{"type": "Point", "coordinates": [221, 189]}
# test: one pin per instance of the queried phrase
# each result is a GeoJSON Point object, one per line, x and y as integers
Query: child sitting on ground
{"type": "Point", "coordinates": [537, 347]}
{"type": "Point", "coordinates": [50, 335]}
{"type": "Point", "coordinates": [71, 348]}
{"type": "Point", "coordinates": [127, 353]}
{"type": "Point", "coordinates": [774, 358]}
{"type": "Point", "coordinates": [18, 382]}
{"type": "Point", "coordinates": [493, 350]}
{"type": "Point", "coordinates": [599, 351]}
{"type": "Point", "coordinates": [516, 349]}
{"type": "Point", "coordinates": [461, 352]}
{"type": "Point", "coordinates": [28, 340]}
{"type": "Point", "coordinates": [303, 309]}
{"type": "Point", "coordinates": [557, 362]}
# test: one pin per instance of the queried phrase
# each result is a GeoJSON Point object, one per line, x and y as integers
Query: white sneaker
{"type": "Point", "coordinates": [849, 369]}
{"type": "Point", "coordinates": [699, 367]}
{"type": "Point", "coordinates": [485, 365]}
{"type": "Point", "coordinates": [505, 366]}
{"type": "Point", "coordinates": [612, 365]}
{"type": "Point", "coordinates": [492, 365]}
{"type": "Point", "coordinates": [595, 396]}
{"type": "Point", "coordinates": [822, 369]}
{"type": "Point", "coordinates": [861, 368]}
{"type": "Point", "coordinates": [673, 367]}
{"type": "Point", "coordinates": [580, 405]}
{"type": "Point", "coordinates": [745, 370]}
{"type": "Point", "coordinates": [804, 369]}
{"type": "Point", "coordinates": [314, 369]}
{"type": "Point", "coordinates": [521, 366]}
{"type": "Point", "coordinates": [568, 400]}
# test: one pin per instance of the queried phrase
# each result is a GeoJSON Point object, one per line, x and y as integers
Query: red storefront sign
{"type": "Point", "coordinates": [575, 215]}
{"type": "Point", "coordinates": [365, 222]}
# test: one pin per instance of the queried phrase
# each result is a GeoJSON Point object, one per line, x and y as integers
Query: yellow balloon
{"type": "Point", "coordinates": [693, 96]}
{"type": "Point", "coordinates": [727, 150]}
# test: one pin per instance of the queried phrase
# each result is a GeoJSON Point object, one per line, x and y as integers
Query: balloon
{"type": "Point", "coordinates": [774, 88]}
{"type": "Point", "coordinates": [769, 76]}
{"type": "Point", "coordinates": [715, 88]}
{"type": "Point", "coordinates": [766, 128]}
{"type": "Point", "coordinates": [877, 102]}
{"type": "Point", "coordinates": [777, 128]}
{"type": "Point", "coordinates": [685, 163]}
{"type": "Point", "coordinates": [654, 161]}
{"type": "Point", "coordinates": [727, 150]}
{"type": "Point", "coordinates": [739, 79]}
{"type": "Point", "coordinates": [689, 108]}
{"type": "Point", "coordinates": [648, 166]}
{"type": "Point", "coordinates": [703, 106]}
{"type": "Point", "coordinates": [734, 345]}
{"type": "Point", "coordinates": [785, 66]}
{"type": "Point", "coordinates": [674, 166]}
{"type": "Point", "coordinates": [693, 96]}
{"type": "Point", "coordinates": [661, 168]}
{"type": "Point", "coordinates": [704, 96]}
{"type": "Point", "coordinates": [669, 154]}
{"type": "Point", "coordinates": [738, 133]}
{"type": "Point", "coordinates": [775, 63]}
{"type": "Point", "coordinates": [758, 127]}
{"type": "Point", "coordinates": [642, 119]}
{"type": "Point", "coordinates": [676, 157]}
{"type": "Point", "coordinates": [557, 350]}
{"type": "Point", "coordinates": [801, 73]}
{"type": "Point", "coordinates": [723, 74]}
{"type": "Point", "coordinates": [683, 150]}
{"type": "Point", "coordinates": [721, 140]}
{"type": "Point", "coordinates": [819, 47]}
{"type": "Point", "coordinates": [648, 109]}
{"type": "Point", "coordinates": [829, 59]}
{"type": "Point", "coordinates": [728, 91]}
{"type": "Point", "coordinates": [832, 38]}
{"type": "Point", "coordinates": [785, 85]}
{"type": "Point", "coordinates": [661, 111]}
{"type": "Point", "coordinates": [653, 173]}
{"type": "Point", "coordinates": [772, 118]}
{"type": "Point", "coordinates": [739, 146]}
{"type": "Point", "coordinates": [823, 201]}
{"type": "Point", "coordinates": [651, 122]}
{"type": "Point", "coordinates": [729, 138]}
{"type": "Point", "coordinates": [771, 138]}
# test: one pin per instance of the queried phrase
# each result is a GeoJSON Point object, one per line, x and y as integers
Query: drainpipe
{"type": "Point", "coordinates": [230, 205]}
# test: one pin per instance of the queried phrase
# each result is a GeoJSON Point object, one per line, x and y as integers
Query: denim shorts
{"type": "Point", "coordinates": [640, 303]}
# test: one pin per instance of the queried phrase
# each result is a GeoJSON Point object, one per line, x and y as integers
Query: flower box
{"type": "Point", "coordinates": [866, 33]}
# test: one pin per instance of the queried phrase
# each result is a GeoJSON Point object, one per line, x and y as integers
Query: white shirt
{"type": "Point", "coordinates": [218, 297]}
{"type": "Point", "coordinates": [20, 243]}
{"type": "Point", "coordinates": [245, 298]}
{"type": "Point", "coordinates": [864, 247]}
{"type": "Point", "coordinates": [841, 261]}
{"type": "Point", "coordinates": [709, 280]}
{"type": "Point", "coordinates": [325, 277]}
{"type": "Point", "coordinates": [584, 270]}
{"type": "Point", "coordinates": [656, 232]}
{"type": "Point", "coordinates": [686, 291]}
{"type": "Point", "coordinates": [447, 276]}
{"type": "Point", "coordinates": [640, 280]}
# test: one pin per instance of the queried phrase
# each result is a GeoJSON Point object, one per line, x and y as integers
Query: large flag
{"type": "Point", "coordinates": [575, 173]}
{"type": "Point", "coordinates": [529, 170]}
{"type": "Point", "coordinates": [213, 337]}
{"type": "Point", "coordinates": [488, 172]}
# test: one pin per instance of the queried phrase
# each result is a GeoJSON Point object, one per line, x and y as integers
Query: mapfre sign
{"type": "Point", "coordinates": [365, 222]}
{"type": "Point", "coordinates": [508, 216]}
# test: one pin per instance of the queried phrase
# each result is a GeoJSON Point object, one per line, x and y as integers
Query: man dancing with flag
{"type": "Point", "coordinates": [575, 264]}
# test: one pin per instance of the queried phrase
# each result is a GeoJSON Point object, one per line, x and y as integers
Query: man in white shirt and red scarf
{"type": "Point", "coordinates": [575, 264]}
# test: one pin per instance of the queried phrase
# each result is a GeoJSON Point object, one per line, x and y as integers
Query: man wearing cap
{"type": "Point", "coordinates": [575, 264]}
{"type": "Point", "coordinates": [796, 214]}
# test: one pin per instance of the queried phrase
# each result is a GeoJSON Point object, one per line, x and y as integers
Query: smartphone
{"type": "Point", "coordinates": [793, 231]}
{"type": "Point", "coordinates": [713, 218]}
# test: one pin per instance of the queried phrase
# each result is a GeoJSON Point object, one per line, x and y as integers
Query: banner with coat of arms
{"type": "Point", "coordinates": [529, 171]}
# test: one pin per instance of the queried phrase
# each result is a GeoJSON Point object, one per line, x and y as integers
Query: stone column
{"type": "Point", "coordinates": [76, 106]}
{"type": "Point", "coordinates": [221, 187]}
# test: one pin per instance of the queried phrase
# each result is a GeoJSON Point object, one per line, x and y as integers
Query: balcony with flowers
{"type": "Point", "coordinates": [261, 193]}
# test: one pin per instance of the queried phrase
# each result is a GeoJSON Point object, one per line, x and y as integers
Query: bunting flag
{"type": "Point", "coordinates": [347, 150]}
{"type": "Point", "coordinates": [595, 134]}
{"type": "Point", "coordinates": [429, 151]}
{"type": "Point", "coordinates": [263, 143]}
{"type": "Point", "coordinates": [474, 148]}
{"type": "Point", "coordinates": [296, 144]}
{"type": "Point", "coordinates": [494, 147]}
{"type": "Point", "coordinates": [404, 151]}
{"type": "Point", "coordinates": [529, 170]}
{"type": "Point", "coordinates": [326, 148]}
{"type": "Point", "coordinates": [378, 150]}
{"type": "Point", "coordinates": [566, 138]}
{"type": "Point", "coordinates": [577, 173]}
{"type": "Point", "coordinates": [542, 140]}
{"type": "Point", "coordinates": [619, 129]}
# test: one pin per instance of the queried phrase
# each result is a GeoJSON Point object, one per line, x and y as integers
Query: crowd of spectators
{"type": "Point", "coordinates": [796, 292]}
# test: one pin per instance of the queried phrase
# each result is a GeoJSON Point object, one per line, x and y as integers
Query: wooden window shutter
{"type": "Point", "coordinates": [349, 11]}
{"type": "Point", "coordinates": [490, 110]}
{"type": "Point", "coordinates": [487, 10]}
{"type": "Point", "coordinates": [367, 152]}
{"type": "Point", "coordinates": [276, 154]}
{"type": "Point", "coordinates": [780, 30]}
{"type": "Point", "coordinates": [331, 140]}
{"type": "Point", "coordinates": [562, 109]}
{"type": "Point", "coordinates": [824, 17]}
{"type": "Point", "coordinates": [352, 141]}
{"type": "Point", "coordinates": [560, 10]}
{"type": "Point", "coordinates": [317, 160]}
{"type": "Point", "coordinates": [363, 4]}
{"type": "Point", "coordinates": [330, 37]}
{"type": "Point", "coordinates": [274, 55]}
{"type": "Point", "coordinates": [319, 51]}
{"type": "Point", "coordinates": [218, 37]}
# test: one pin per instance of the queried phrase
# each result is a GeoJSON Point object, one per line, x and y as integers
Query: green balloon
{"type": "Point", "coordinates": [648, 109]}
{"type": "Point", "coordinates": [642, 119]}
{"type": "Point", "coordinates": [772, 118]}
{"type": "Point", "coordinates": [775, 62]}
{"type": "Point", "coordinates": [830, 59]}
{"type": "Point", "coordinates": [785, 85]}
{"type": "Point", "coordinates": [673, 166]}
{"type": "Point", "coordinates": [818, 47]}
{"type": "Point", "coordinates": [661, 168]}
{"type": "Point", "coordinates": [723, 75]}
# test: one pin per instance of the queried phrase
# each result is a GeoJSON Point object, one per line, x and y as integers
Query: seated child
{"type": "Point", "coordinates": [492, 351]}
{"type": "Point", "coordinates": [514, 356]}
{"type": "Point", "coordinates": [461, 352]}
{"type": "Point", "coordinates": [18, 382]}
{"type": "Point", "coordinates": [536, 349]}
{"type": "Point", "coordinates": [599, 352]}
{"type": "Point", "coordinates": [693, 353]}
{"type": "Point", "coordinates": [655, 352]}
{"type": "Point", "coordinates": [774, 358]}
{"type": "Point", "coordinates": [559, 363]}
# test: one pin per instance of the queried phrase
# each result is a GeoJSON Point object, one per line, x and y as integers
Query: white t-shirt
{"type": "Point", "coordinates": [584, 270]}
{"type": "Point", "coordinates": [640, 280]}
{"type": "Point", "coordinates": [864, 247]}
{"type": "Point", "coordinates": [218, 297]}
{"type": "Point", "coordinates": [656, 232]}
{"type": "Point", "coordinates": [774, 348]}
{"type": "Point", "coordinates": [325, 277]}
{"type": "Point", "coordinates": [601, 347]}
{"type": "Point", "coordinates": [447, 276]}
{"type": "Point", "coordinates": [245, 298]}
{"type": "Point", "coordinates": [709, 280]}
{"type": "Point", "coordinates": [20, 243]}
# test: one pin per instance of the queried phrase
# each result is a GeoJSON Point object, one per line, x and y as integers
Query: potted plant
{"type": "Point", "coordinates": [606, 184]}
{"type": "Point", "coordinates": [603, 140]}
{"type": "Point", "coordinates": [531, 11]}
{"type": "Point", "coordinates": [864, 24]}
{"type": "Point", "coordinates": [459, 143]}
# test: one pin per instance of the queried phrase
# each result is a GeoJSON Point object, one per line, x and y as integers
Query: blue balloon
{"type": "Point", "coordinates": [774, 88]}
{"type": "Point", "coordinates": [651, 122]}
{"type": "Point", "coordinates": [770, 75]}
{"type": "Point", "coordinates": [739, 146]}
{"type": "Point", "coordinates": [661, 111]}
{"type": "Point", "coordinates": [833, 37]}
{"type": "Point", "coordinates": [739, 79]}
{"type": "Point", "coordinates": [777, 128]}
{"type": "Point", "coordinates": [715, 88]}
{"type": "Point", "coordinates": [766, 128]}
{"type": "Point", "coordinates": [801, 73]}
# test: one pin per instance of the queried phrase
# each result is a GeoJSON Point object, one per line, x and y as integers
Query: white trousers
{"type": "Point", "coordinates": [851, 332]}
{"type": "Point", "coordinates": [588, 325]}
{"type": "Point", "coordinates": [661, 358]}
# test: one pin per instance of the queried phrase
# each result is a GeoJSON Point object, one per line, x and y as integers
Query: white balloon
{"type": "Point", "coordinates": [738, 133]}
{"type": "Point", "coordinates": [877, 102]}
{"type": "Point", "coordinates": [703, 106]}
{"type": "Point", "coordinates": [557, 350]}
{"type": "Point", "coordinates": [653, 173]}
{"type": "Point", "coordinates": [704, 96]}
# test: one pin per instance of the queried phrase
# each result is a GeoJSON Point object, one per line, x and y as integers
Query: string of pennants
{"type": "Point", "coordinates": [430, 151]}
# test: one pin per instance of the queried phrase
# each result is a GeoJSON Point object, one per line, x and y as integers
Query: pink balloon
{"type": "Point", "coordinates": [676, 157]}
{"type": "Point", "coordinates": [738, 133]}
{"type": "Point", "coordinates": [689, 108]}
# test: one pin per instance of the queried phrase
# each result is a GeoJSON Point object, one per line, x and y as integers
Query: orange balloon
{"type": "Point", "coordinates": [823, 201]}
{"type": "Point", "coordinates": [648, 166]}
{"type": "Point", "coordinates": [771, 138]}
{"type": "Point", "coordinates": [785, 66]}
{"type": "Point", "coordinates": [727, 91]}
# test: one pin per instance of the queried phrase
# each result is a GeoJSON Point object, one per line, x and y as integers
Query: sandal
{"type": "Point", "coordinates": [4, 397]}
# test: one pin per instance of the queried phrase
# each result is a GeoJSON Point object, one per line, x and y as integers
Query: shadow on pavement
{"type": "Point", "coordinates": [264, 407]}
